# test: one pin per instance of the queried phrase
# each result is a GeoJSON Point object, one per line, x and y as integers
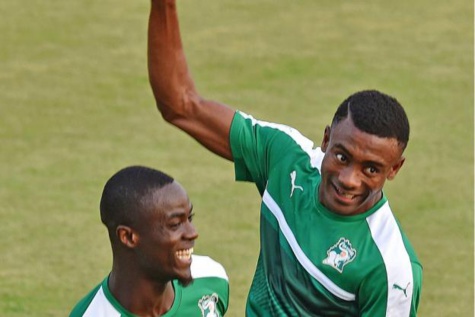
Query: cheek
{"type": "Point", "coordinates": [159, 243]}
{"type": "Point", "coordinates": [328, 168]}
{"type": "Point", "coordinates": [170, 240]}
{"type": "Point", "coordinates": [376, 184]}
{"type": "Point", "coordinates": [325, 165]}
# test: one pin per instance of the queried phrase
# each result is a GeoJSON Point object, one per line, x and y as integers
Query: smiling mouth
{"type": "Point", "coordinates": [344, 194]}
{"type": "Point", "coordinates": [185, 254]}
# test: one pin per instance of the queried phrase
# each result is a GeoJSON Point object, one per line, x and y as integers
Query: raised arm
{"type": "Point", "coordinates": [177, 100]}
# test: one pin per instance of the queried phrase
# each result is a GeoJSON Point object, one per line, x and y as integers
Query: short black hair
{"type": "Point", "coordinates": [375, 113]}
{"type": "Point", "coordinates": [128, 193]}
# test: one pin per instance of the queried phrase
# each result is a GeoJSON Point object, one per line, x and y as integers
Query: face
{"type": "Point", "coordinates": [355, 167]}
{"type": "Point", "coordinates": [166, 238]}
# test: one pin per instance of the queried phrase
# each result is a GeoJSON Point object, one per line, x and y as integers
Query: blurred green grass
{"type": "Point", "coordinates": [76, 106]}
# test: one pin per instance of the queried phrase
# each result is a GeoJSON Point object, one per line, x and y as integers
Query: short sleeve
{"type": "Point", "coordinates": [259, 146]}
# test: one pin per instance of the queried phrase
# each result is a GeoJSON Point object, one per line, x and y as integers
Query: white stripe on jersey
{"type": "Point", "coordinates": [316, 155]}
{"type": "Point", "coordinates": [300, 255]}
{"type": "Point", "coordinates": [204, 266]}
{"type": "Point", "coordinates": [387, 237]}
{"type": "Point", "coordinates": [100, 306]}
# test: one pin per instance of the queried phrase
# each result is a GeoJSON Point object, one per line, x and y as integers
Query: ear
{"type": "Point", "coordinates": [127, 236]}
{"type": "Point", "coordinates": [395, 168]}
{"type": "Point", "coordinates": [326, 138]}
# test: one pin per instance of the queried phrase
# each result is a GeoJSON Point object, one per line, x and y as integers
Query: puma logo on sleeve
{"type": "Point", "coordinates": [293, 176]}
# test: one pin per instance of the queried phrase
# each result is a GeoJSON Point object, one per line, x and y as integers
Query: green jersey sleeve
{"type": "Point", "coordinates": [258, 146]}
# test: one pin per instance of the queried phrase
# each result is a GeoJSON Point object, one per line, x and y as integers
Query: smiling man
{"type": "Point", "coordinates": [148, 216]}
{"type": "Point", "coordinates": [330, 244]}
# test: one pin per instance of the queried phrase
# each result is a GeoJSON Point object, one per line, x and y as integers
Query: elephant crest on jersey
{"type": "Point", "coordinates": [207, 304]}
{"type": "Point", "coordinates": [340, 255]}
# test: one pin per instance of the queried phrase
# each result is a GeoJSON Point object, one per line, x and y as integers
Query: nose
{"type": "Point", "coordinates": [191, 233]}
{"type": "Point", "coordinates": [349, 177]}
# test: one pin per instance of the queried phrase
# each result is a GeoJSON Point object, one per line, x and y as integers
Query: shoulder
{"type": "Point", "coordinates": [246, 126]}
{"type": "Point", "coordinates": [85, 303]}
{"type": "Point", "coordinates": [204, 266]}
{"type": "Point", "coordinates": [245, 119]}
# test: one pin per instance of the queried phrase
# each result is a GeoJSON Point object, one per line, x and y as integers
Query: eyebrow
{"type": "Point", "coordinates": [181, 213]}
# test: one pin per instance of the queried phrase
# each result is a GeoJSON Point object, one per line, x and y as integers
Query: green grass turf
{"type": "Point", "coordinates": [75, 106]}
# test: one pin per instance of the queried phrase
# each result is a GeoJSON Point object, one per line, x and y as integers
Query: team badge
{"type": "Point", "coordinates": [340, 255]}
{"type": "Point", "coordinates": [207, 304]}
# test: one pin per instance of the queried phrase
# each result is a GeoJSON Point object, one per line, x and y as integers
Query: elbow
{"type": "Point", "coordinates": [176, 98]}
{"type": "Point", "coordinates": [168, 113]}
{"type": "Point", "coordinates": [181, 108]}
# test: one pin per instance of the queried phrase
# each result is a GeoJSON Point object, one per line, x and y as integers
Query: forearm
{"type": "Point", "coordinates": [175, 94]}
{"type": "Point", "coordinates": [168, 71]}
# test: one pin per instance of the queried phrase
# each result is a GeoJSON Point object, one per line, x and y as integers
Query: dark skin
{"type": "Point", "coordinates": [153, 252]}
{"type": "Point", "coordinates": [355, 167]}
{"type": "Point", "coordinates": [344, 191]}
{"type": "Point", "coordinates": [177, 99]}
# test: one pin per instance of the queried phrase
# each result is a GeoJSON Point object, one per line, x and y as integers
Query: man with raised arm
{"type": "Point", "coordinates": [330, 244]}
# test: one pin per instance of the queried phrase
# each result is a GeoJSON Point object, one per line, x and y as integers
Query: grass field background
{"type": "Point", "coordinates": [75, 106]}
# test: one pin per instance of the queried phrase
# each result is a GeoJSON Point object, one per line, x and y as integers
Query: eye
{"type": "Point", "coordinates": [174, 224]}
{"type": "Point", "coordinates": [371, 170]}
{"type": "Point", "coordinates": [190, 217]}
{"type": "Point", "coordinates": [341, 157]}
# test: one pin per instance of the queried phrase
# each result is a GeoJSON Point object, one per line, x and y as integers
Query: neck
{"type": "Point", "coordinates": [140, 295]}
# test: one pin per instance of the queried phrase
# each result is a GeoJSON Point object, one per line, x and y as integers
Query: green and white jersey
{"type": "Point", "coordinates": [313, 262]}
{"type": "Point", "coordinates": [208, 295]}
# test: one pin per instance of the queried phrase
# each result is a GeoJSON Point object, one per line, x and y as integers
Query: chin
{"type": "Point", "coordinates": [185, 281]}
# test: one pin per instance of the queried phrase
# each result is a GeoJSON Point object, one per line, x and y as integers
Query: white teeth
{"type": "Point", "coordinates": [184, 254]}
{"type": "Point", "coordinates": [345, 195]}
